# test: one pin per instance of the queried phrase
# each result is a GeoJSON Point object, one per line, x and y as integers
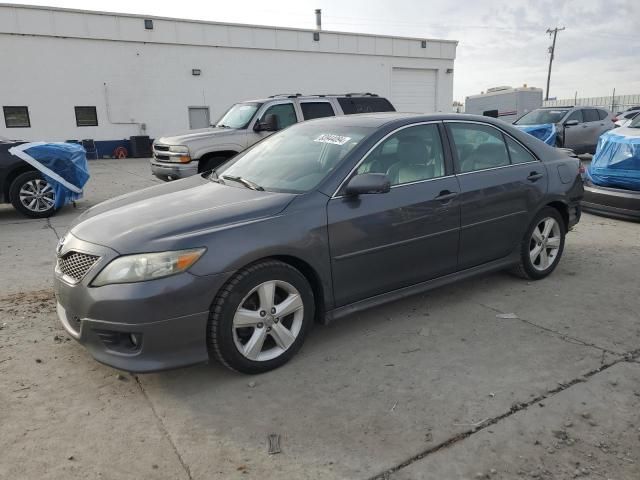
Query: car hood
{"type": "Point", "coordinates": [192, 135]}
{"type": "Point", "coordinates": [174, 215]}
{"type": "Point", "coordinates": [626, 132]}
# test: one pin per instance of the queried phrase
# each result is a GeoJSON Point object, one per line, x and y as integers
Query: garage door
{"type": "Point", "coordinates": [413, 90]}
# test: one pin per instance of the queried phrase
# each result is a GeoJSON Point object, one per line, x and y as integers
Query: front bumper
{"type": "Point", "coordinates": [166, 318]}
{"type": "Point", "coordinates": [171, 171]}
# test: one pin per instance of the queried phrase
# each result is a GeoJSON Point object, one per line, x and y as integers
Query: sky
{"type": "Point", "coordinates": [501, 42]}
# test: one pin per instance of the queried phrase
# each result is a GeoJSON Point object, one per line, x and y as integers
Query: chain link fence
{"type": "Point", "coordinates": [617, 103]}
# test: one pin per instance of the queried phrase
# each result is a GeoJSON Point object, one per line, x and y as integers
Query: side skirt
{"type": "Point", "coordinates": [404, 292]}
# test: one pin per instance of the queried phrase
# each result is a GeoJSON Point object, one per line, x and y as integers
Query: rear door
{"type": "Point", "coordinates": [381, 242]}
{"type": "Point", "coordinates": [501, 184]}
{"type": "Point", "coordinates": [593, 128]}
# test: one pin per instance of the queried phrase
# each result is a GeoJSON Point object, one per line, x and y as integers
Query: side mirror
{"type": "Point", "coordinates": [368, 183]}
{"type": "Point", "coordinates": [268, 123]}
{"type": "Point", "coordinates": [571, 123]}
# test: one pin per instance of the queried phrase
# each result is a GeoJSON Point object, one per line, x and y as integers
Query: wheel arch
{"type": "Point", "coordinates": [226, 154]}
{"type": "Point", "coordinates": [12, 175]}
{"type": "Point", "coordinates": [563, 210]}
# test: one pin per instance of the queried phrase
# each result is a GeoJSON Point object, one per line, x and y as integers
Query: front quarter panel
{"type": "Point", "coordinates": [300, 231]}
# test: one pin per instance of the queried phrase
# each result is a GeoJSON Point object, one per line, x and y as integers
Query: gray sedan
{"type": "Point", "coordinates": [322, 219]}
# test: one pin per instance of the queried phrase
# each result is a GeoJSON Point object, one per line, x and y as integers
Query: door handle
{"type": "Point", "coordinates": [535, 176]}
{"type": "Point", "coordinates": [446, 195]}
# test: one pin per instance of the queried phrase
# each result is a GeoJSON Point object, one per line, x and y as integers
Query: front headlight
{"type": "Point", "coordinates": [147, 266]}
{"type": "Point", "coordinates": [179, 149]}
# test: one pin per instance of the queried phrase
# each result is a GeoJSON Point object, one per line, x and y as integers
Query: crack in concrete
{"type": "Point", "coordinates": [55, 232]}
{"type": "Point", "coordinates": [561, 336]}
{"type": "Point", "coordinates": [163, 429]}
{"type": "Point", "coordinates": [628, 357]}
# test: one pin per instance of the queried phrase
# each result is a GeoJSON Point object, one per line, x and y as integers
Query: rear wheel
{"type": "Point", "coordinates": [542, 245]}
{"type": "Point", "coordinates": [259, 319]}
{"type": "Point", "coordinates": [32, 195]}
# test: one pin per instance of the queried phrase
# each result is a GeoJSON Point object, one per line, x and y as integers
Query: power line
{"type": "Point", "coordinates": [552, 50]}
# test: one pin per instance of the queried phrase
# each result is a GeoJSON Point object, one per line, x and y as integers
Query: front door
{"type": "Point", "coordinates": [199, 117]}
{"type": "Point", "coordinates": [380, 242]}
{"type": "Point", "coordinates": [501, 185]}
{"type": "Point", "coordinates": [285, 114]}
{"type": "Point", "coordinates": [576, 136]}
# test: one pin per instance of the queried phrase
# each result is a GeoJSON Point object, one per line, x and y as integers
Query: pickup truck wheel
{"type": "Point", "coordinates": [210, 163]}
{"type": "Point", "coordinates": [260, 317]}
{"type": "Point", "coordinates": [542, 245]}
{"type": "Point", "coordinates": [32, 195]}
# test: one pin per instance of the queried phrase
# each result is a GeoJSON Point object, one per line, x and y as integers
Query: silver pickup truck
{"type": "Point", "coordinates": [246, 123]}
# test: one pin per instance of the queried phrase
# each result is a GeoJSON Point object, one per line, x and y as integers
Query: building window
{"type": "Point", "coordinates": [16, 117]}
{"type": "Point", "coordinates": [86, 117]}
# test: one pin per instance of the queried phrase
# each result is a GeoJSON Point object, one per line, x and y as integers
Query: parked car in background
{"type": "Point", "coordinates": [577, 128]}
{"type": "Point", "coordinates": [612, 187]}
{"type": "Point", "coordinates": [248, 122]}
{"type": "Point", "coordinates": [323, 219]}
{"type": "Point", "coordinates": [623, 119]}
{"type": "Point", "coordinates": [22, 185]}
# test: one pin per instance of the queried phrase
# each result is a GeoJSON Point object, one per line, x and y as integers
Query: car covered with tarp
{"type": "Point", "coordinates": [39, 178]}
{"type": "Point", "coordinates": [613, 179]}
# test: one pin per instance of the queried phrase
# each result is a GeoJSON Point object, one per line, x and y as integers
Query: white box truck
{"type": "Point", "coordinates": [506, 103]}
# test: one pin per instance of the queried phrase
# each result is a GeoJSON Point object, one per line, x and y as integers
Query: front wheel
{"type": "Point", "coordinates": [259, 319]}
{"type": "Point", "coordinates": [32, 195]}
{"type": "Point", "coordinates": [542, 245]}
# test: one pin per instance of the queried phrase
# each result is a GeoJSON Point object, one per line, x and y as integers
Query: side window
{"type": "Point", "coordinates": [284, 112]}
{"type": "Point", "coordinates": [603, 114]}
{"type": "Point", "coordinates": [478, 147]}
{"type": "Point", "coordinates": [576, 115]}
{"type": "Point", "coordinates": [591, 115]}
{"type": "Point", "coordinates": [517, 152]}
{"type": "Point", "coordinates": [351, 105]}
{"type": "Point", "coordinates": [16, 117]}
{"type": "Point", "coordinates": [410, 155]}
{"type": "Point", "coordinates": [312, 110]}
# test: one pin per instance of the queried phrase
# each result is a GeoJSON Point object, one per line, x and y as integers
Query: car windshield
{"type": "Point", "coordinates": [541, 116]}
{"type": "Point", "coordinates": [294, 160]}
{"type": "Point", "coordinates": [238, 116]}
{"type": "Point", "coordinates": [635, 123]}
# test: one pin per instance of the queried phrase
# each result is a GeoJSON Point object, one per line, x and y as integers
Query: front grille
{"type": "Point", "coordinates": [76, 265]}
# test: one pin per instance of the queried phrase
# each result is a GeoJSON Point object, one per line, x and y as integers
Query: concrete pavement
{"type": "Point", "coordinates": [436, 386]}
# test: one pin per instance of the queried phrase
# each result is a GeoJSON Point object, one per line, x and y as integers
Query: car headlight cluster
{"type": "Point", "coordinates": [147, 266]}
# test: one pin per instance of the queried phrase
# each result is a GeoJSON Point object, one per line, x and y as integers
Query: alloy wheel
{"type": "Point", "coordinates": [37, 195]}
{"type": "Point", "coordinates": [268, 320]}
{"type": "Point", "coordinates": [545, 244]}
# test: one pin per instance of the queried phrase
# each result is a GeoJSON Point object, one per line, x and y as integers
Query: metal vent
{"type": "Point", "coordinates": [76, 265]}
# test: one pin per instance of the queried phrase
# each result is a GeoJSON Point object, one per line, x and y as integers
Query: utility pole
{"type": "Point", "coordinates": [552, 49]}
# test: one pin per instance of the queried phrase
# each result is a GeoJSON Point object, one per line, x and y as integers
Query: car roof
{"type": "Point", "coordinates": [292, 96]}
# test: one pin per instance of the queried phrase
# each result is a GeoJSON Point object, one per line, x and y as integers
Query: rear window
{"type": "Point", "coordinates": [590, 115]}
{"type": "Point", "coordinates": [312, 110]}
{"type": "Point", "coordinates": [351, 105]}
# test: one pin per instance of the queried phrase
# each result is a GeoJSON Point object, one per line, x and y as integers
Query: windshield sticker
{"type": "Point", "coordinates": [332, 139]}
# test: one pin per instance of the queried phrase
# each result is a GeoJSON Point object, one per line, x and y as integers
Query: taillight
{"type": "Point", "coordinates": [581, 169]}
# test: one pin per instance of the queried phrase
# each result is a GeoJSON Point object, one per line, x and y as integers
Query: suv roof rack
{"type": "Point", "coordinates": [287, 95]}
{"type": "Point", "coordinates": [360, 94]}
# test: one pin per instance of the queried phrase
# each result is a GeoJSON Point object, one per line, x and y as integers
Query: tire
{"type": "Point", "coordinates": [533, 266]}
{"type": "Point", "coordinates": [241, 302]}
{"type": "Point", "coordinates": [210, 163]}
{"type": "Point", "coordinates": [32, 195]}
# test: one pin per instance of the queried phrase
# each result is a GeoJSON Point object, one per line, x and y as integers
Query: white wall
{"type": "Point", "coordinates": [150, 81]}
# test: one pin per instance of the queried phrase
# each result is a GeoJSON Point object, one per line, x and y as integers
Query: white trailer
{"type": "Point", "coordinates": [505, 103]}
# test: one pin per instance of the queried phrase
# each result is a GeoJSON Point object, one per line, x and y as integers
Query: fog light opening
{"type": "Point", "coordinates": [134, 338]}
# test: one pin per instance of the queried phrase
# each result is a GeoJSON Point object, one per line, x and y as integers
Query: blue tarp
{"type": "Point", "coordinates": [545, 132]}
{"type": "Point", "coordinates": [63, 165]}
{"type": "Point", "coordinates": [617, 161]}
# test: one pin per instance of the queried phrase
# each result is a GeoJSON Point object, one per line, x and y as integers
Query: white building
{"type": "Point", "coordinates": [137, 75]}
